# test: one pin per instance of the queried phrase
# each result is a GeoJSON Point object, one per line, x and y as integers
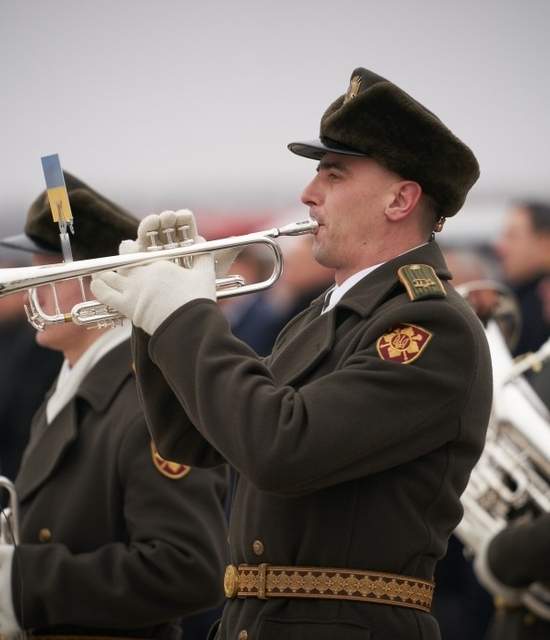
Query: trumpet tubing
{"type": "Point", "coordinates": [93, 313]}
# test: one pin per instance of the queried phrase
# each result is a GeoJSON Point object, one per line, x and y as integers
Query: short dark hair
{"type": "Point", "coordinates": [539, 213]}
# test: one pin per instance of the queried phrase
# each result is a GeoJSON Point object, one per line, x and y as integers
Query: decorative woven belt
{"type": "Point", "coordinates": [268, 581]}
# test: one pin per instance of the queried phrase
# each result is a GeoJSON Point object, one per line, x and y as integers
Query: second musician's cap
{"type": "Point", "coordinates": [377, 119]}
{"type": "Point", "coordinates": [100, 225]}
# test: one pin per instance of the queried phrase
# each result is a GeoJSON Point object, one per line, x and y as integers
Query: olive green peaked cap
{"type": "Point", "coordinates": [99, 224]}
{"type": "Point", "coordinates": [376, 118]}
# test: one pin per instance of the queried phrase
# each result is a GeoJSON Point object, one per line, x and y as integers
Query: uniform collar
{"type": "Point", "coordinates": [365, 295]}
{"type": "Point", "coordinates": [71, 378]}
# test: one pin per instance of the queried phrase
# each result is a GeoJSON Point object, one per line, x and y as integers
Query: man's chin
{"type": "Point", "coordinates": [322, 257]}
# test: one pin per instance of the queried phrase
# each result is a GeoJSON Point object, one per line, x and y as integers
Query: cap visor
{"type": "Point", "coordinates": [316, 149]}
{"type": "Point", "coordinates": [22, 242]}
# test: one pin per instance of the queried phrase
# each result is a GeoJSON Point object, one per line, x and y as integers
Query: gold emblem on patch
{"type": "Point", "coordinates": [353, 89]}
{"type": "Point", "coordinates": [172, 470]}
{"type": "Point", "coordinates": [403, 344]}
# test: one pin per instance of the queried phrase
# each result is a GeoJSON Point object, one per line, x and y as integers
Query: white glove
{"type": "Point", "coordinates": [158, 227]}
{"type": "Point", "coordinates": [148, 294]}
{"type": "Point", "coordinates": [487, 579]}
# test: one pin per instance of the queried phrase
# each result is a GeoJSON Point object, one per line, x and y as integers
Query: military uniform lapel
{"type": "Point", "coordinates": [311, 339]}
{"type": "Point", "coordinates": [46, 447]}
{"type": "Point", "coordinates": [49, 442]}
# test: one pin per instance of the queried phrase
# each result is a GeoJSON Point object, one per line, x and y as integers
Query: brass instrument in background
{"type": "Point", "coordinates": [510, 484]}
{"type": "Point", "coordinates": [93, 313]}
{"type": "Point", "coordinates": [9, 517]}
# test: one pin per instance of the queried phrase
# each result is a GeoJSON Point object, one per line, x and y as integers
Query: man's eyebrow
{"type": "Point", "coordinates": [326, 165]}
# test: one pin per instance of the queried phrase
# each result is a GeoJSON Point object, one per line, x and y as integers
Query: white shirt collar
{"type": "Point", "coordinates": [70, 378]}
{"type": "Point", "coordinates": [336, 294]}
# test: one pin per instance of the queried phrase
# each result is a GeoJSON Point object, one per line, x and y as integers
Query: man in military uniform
{"type": "Point", "coordinates": [514, 566]}
{"type": "Point", "coordinates": [355, 438]}
{"type": "Point", "coordinates": [115, 540]}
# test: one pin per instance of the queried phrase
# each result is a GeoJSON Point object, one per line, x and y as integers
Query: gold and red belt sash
{"type": "Point", "coordinates": [266, 581]}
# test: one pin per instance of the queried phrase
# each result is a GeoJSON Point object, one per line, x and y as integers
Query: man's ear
{"type": "Point", "coordinates": [404, 198]}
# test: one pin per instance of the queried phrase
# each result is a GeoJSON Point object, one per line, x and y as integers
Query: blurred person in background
{"type": "Point", "coordinates": [462, 606]}
{"type": "Point", "coordinates": [524, 250]}
{"type": "Point", "coordinates": [27, 371]}
{"type": "Point", "coordinates": [511, 561]}
{"type": "Point", "coordinates": [510, 564]}
{"type": "Point", "coordinates": [115, 540]}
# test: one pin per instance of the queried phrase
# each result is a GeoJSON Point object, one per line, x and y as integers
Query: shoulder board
{"type": "Point", "coordinates": [421, 282]}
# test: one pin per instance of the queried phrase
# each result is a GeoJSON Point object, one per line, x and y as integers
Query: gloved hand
{"type": "Point", "coordinates": [487, 578]}
{"type": "Point", "coordinates": [148, 294]}
{"type": "Point", "coordinates": [158, 227]}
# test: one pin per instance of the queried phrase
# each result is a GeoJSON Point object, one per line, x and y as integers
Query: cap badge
{"type": "Point", "coordinates": [172, 470]}
{"type": "Point", "coordinates": [403, 344]}
{"type": "Point", "coordinates": [353, 89]}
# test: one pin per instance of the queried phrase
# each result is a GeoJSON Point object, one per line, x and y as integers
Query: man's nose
{"type": "Point", "coordinates": [311, 195]}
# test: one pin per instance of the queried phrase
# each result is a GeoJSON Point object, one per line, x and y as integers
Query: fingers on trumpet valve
{"type": "Point", "coordinates": [168, 230]}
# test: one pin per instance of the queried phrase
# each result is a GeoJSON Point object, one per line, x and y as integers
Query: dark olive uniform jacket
{"type": "Point", "coordinates": [346, 458]}
{"type": "Point", "coordinates": [519, 556]}
{"type": "Point", "coordinates": [109, 544]}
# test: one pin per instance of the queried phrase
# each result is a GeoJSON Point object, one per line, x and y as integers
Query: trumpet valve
{"type": "Point", "coordinates": [153, 237]}
{"type": "Point", "coordinates": [185, 241]}
{"type": "Point", "coordinates": [170, 234]}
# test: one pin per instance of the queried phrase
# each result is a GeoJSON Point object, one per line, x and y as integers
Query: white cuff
{"type": "Point", "coordinates": [8, 622]}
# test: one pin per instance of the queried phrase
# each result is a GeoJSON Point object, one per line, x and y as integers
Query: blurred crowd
{"type": "Point", "coordinates": [518, 261]}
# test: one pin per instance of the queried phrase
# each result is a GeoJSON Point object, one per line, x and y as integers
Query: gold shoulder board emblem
{"type": "Point", "coordinates": [172, 470]}
{"type": "Point", "coordinates": [403, 344]}
{"type": "Point", "coordinates": [421, 282]}
{"type": "Point", "coordinates": [353, 89]}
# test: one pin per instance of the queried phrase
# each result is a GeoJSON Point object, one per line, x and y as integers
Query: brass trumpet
{"type": "Point", "coordinates": [93, 313]}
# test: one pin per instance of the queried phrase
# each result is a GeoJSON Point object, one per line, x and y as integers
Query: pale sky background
{"type": "Point", "coordinates": [169, 104]}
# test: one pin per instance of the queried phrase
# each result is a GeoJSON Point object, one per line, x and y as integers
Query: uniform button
{"type": "Point", "coordinates": [258, 547]}
{"type": "Point", "coordinates": [44, 535]}
{"type": "Point", "coordinates": [243, 635]}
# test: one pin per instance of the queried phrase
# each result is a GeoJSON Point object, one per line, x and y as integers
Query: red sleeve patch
{"type": "Point", "coordinates": [403, 344]}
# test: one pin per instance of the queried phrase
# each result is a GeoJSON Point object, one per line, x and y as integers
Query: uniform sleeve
{"type": "Point", "coordinates": [170, 566]}
{"type": "Point", "coordinates": [520, 555]}
{"type": "Point", "coordinates": [367, 415]}
{"type": "Point", "coordinates": [173, 433]}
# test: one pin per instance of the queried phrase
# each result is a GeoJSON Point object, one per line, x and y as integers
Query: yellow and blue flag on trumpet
{"type": "Point", "coordinates": [56, 189]}
{"type": "Point", "coordinates": [59, 201]}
